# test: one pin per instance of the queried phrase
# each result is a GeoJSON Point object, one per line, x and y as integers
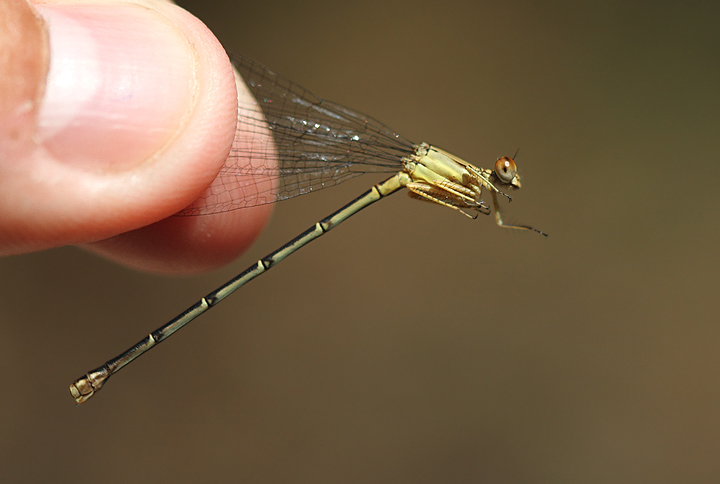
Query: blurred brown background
{"type": "Point", "coordinates": [413, 344]}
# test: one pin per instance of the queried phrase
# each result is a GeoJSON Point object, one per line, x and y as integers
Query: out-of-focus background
{"type": "Point", "coordinates": [412, 344]}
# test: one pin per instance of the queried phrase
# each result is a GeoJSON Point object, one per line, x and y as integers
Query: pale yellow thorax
{"type": "Point", "coordinates": [431, 164]}
{"type": "Point", "coordinates": [434, 175]}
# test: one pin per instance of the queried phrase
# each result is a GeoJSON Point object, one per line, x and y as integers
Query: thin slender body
{"type": "Point", "coordinates": [429, 174]}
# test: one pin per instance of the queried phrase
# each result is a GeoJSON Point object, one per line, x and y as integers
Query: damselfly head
{"type": "Point", "coordinates": [506, 171]}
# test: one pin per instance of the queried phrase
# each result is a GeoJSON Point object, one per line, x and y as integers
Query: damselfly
{"type": "Point", "coordinates": [289, 142]}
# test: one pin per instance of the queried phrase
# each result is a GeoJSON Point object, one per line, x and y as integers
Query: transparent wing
{"type": "Point", "coordinates": [289, 142]}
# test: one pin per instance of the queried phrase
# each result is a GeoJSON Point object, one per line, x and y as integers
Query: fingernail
{"type": "Point", "coordinates": [119, 88]}
{"type": "Point", "coordinates": [22, 72]}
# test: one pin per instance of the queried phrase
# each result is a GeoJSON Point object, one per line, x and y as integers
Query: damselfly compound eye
{"type": "Point", "coordinates": [505, 169]}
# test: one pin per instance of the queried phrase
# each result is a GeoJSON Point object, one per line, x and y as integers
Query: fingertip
{"type": "Point", "coordinates": [186, 245]}
{"type": "Point", "coordinates": [105, 162]}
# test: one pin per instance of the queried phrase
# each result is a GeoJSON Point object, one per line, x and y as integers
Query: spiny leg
{"type": "Point", "coordinates": [499, 220]}
{"type": "Point", "coordinates": [430, 198]}
{"type": "Point", "coordinates": [460, 192]}
{"type": "Point", "coordinates": [425, 191]}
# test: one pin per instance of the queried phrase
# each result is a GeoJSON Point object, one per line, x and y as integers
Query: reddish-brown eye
{"type": "Point", "coordinates": [505, 169]}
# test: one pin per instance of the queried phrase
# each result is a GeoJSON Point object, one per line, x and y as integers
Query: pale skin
{"type": "Point", "coordinates": [72, 174]}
